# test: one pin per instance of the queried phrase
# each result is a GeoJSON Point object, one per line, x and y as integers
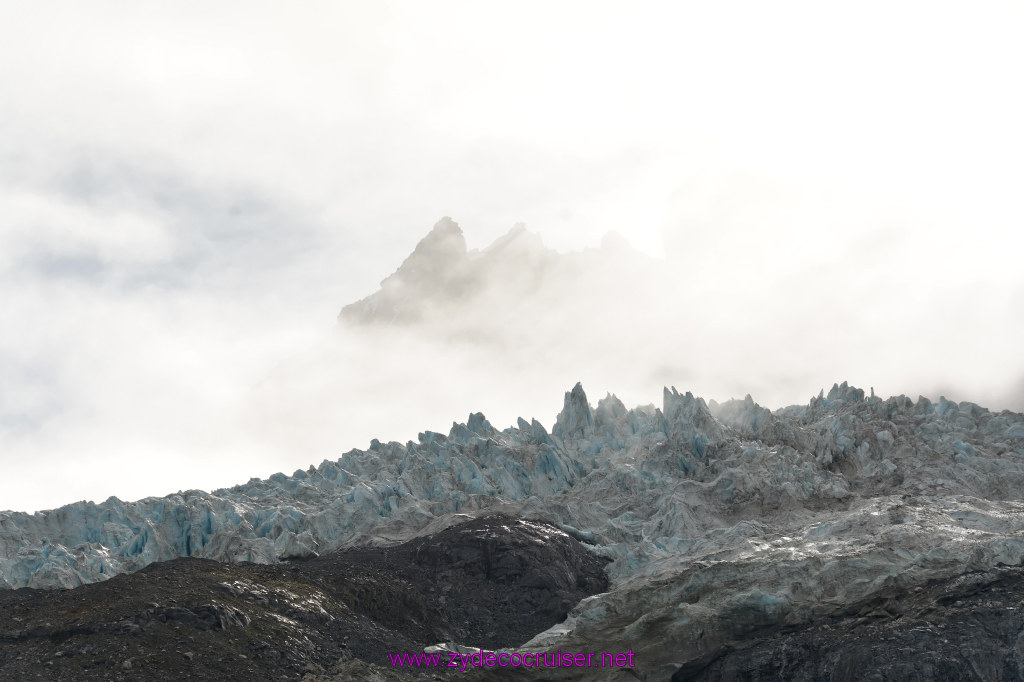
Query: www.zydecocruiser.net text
{"type": "Point", "coordinates": [512, 659]}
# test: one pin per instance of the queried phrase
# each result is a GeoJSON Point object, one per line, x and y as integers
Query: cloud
{"type": "Point", "coordinates": [191, 193]}
{"type": "Point", "coordinates": [822, 279]}
{"type": "Point", "coordinates": [140, 301]}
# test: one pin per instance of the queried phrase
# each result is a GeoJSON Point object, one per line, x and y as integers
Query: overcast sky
{"type": "Point", "coordinates": [189, 192]}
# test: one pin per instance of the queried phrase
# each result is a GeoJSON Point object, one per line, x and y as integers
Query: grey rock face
{"type": "Point", "coordinates": [967, 628]}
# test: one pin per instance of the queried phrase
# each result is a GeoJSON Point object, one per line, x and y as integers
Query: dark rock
{"type": "Point", "coordinates": [969, 628]}
{"type": "Point", "coordinates": [491, 582]}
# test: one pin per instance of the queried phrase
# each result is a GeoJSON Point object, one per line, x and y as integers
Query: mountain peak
{"type": "Point", "coordinates": [516, 274]}
{"type": "Point", "coordinates": [445, 240]}
{"type": "Point", "coordinates": [445, 226]}
{"type": "Point", "coordinates": [437, 269]}
{"type": "Point", "coordinates": [577, 417]}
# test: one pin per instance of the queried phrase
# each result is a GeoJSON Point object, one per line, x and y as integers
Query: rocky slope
{"type": "Point", "coordinates": [966, 628]}
{"type": "Point", "coordinates": [719, 521]}
{"type": "Point", "coordinates": [491, 582]}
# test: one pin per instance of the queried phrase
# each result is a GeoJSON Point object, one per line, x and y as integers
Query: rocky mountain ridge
{"type": "Point", "coordinates": [514, 275]}
{"type": "Point", "coordinates": [718, 519]}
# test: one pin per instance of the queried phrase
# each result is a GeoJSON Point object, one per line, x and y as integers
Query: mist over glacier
{"type": "Point", "coordinates": [721, 301]}
{"type": "Point", "coordinates": [186, 205]}
{"type": "Point", "coordinates": [503, 328]}
{"type": "Point", "coordinates": [455, 330]}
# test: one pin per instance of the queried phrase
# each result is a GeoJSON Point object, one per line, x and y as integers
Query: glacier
{"type": "Point", "coordinates": [716, 517]}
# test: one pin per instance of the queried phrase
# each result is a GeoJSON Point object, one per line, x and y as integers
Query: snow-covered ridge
{"type": "Point", "coordinates": [641, 486]}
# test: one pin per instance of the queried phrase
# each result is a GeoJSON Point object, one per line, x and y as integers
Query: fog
{"type": "Point", "coordinates": [190, 194]}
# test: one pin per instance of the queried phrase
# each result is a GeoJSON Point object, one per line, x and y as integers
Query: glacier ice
{"type": "Point", "coordinates": [709, 512]}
